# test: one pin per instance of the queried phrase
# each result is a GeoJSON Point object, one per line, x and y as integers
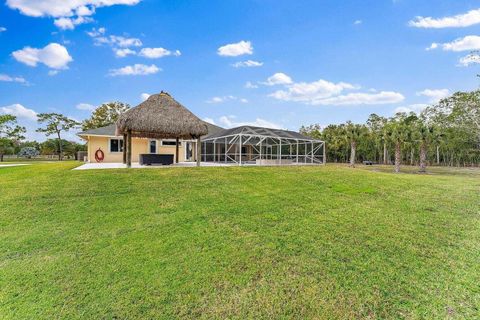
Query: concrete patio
{"type": "Point", "coordinates": [136, 165]}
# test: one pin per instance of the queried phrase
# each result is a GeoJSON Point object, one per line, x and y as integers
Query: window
{"type": "Point", "coordinates": [116, 145]}
{"type": "Point", "coordinates": [153, 146]}
{"type": "Point", "coordinates": [171, 143]}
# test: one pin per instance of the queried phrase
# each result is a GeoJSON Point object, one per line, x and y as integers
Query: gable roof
{"type": "Point", "coordinates": [103, 131]}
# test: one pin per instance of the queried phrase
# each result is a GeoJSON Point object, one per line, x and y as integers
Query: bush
{"type": "Point", "coordinates": [28, 152]}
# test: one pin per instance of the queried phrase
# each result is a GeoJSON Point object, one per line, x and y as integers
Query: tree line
{"type": "Point", "coordinates": [446, 133]}
{"type": "Point", "coordinates": [12, 135]}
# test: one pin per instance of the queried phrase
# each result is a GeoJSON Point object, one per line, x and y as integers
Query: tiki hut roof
{"type": "Point", "coordinates": [161, 117]}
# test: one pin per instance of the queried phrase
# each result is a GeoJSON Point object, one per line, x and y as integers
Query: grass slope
{"type": "Point", "coordinates": [310, 242]}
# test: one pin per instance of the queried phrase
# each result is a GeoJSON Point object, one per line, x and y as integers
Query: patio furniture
{"type": "Point", "coordinates": [162, 159]}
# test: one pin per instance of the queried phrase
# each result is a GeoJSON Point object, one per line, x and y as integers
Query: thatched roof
{"type": "Point", "coordinates": [161, 117]}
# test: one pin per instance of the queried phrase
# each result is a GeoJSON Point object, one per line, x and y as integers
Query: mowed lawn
{"type": "Point", "coordinates": [260, 243]}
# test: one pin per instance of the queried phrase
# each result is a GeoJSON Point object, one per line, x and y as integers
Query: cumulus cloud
{"type": "Point", "coordinates": [65, 23]}
{"type": "Point", "coordinates": [122, 53]}
{"type": "Point", "coordinates": [144, 96]}
{"type": "Point", "coordinates": [154, 53]}
{"type": "Point", "coordinates": [225, 99]}
{"type": "Point", "coordinates": [53, 55]}
{"type": "Point", "coordinates": [236, 49]}
{"type": "Point", "coordinates": [232, 122]}
{"type": "Point", "coordinates": [85, 107]}
{"type": "Point", "coordinates": [20, 112]}
{"type": "Point", "coordinates": [468, 60]}
{"type": "Point", "coordinates": [417, 108]}
{"type": "Point", "coordinates": [3, 29]}
{"type": "Point", "coordinates": [467, 43]}
{"type": "Point", "coordinates": [434, 95]}
{"type": "Point", "coordinates": [7, 78]}
{"type": "Point", "coordinates": [357, 22]}
{"type": "Point", "coordinates": [323, 92]}
{"type": "Point", "coordinates": [461, 20]}
{"type": "Point", "coordinates": [250, 85]}
{"type": "Point", "coordinates": [247, 64]}
{"type": "Point", "coordinates": [209, 120]}
{"type": "Point", "coordinates": [135, 70]}
{"type": "Point", "coordinates": [278, 78]}
{"type": "Point", "coordinates": [68, 14]}
{"type": "Point", "coordinates": [383, 97]}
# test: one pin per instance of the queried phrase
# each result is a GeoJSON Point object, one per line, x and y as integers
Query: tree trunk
{"type": "Point", "coordinates": [398, 155]}
{"type": "Point", "coordinates": [129, 148]}
{"type": "Point", "coordinates": [1, 157]}
{"type": "Point", "coordinates": [423, 157]}
{"type": "Point", "coordinates": [353, 146]}
{"type": "Point", "coordinates": [199, 151]}
{"type": "Point", "coordinates": [60, 147]}
{"type": "Point", "coordinates": [438, 155]}
{"type": "Point", "coordinates": [412, 155]}
{"type": "Point", "coordinates": [385, 153]}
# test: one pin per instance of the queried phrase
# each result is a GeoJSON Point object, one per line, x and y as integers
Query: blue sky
{"type": "Point", "coordinates": [266, 62]}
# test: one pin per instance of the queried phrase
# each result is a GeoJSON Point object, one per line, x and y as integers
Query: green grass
{"type": "Point", "coordinates": [260, 243]}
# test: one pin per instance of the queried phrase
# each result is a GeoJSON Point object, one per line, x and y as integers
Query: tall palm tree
{"type": "Point", "coordinates": [399, 132]}
{"type": "Point", "coordinates": [353, 134]}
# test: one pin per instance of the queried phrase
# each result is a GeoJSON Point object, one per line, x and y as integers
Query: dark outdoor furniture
{"type": "Point", "coordinates": [368, 163]}
{"type": "Point", "coordinates": [149, 159]}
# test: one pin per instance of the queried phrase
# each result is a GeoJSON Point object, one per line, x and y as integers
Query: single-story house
{"type": "Point", "coordinates": [156, 126]}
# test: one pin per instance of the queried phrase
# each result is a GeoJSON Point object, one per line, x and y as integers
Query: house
{"type": "Point", "coordinates": [106, 140]}
{"type": "Point", "coordinates": [162, 126]}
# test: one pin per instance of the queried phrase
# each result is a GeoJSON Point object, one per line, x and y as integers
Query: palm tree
{"type": "Point", "coordinates": [399, 133]}
{"type": "Point", "coordinates": [353, 134]}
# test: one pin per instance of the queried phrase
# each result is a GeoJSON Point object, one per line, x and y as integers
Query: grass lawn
{"type": "Point", "coordinates": [260, 243]}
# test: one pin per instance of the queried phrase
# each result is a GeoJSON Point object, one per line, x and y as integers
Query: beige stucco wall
{"type": "Point", "coordinates": [139, 146]}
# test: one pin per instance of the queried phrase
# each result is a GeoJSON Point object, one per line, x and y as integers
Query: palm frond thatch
{"type": "Point", "coordinates": [161, 117]}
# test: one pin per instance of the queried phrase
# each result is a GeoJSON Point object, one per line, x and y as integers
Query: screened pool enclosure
{"type": "Point", "coordinates": [248, 145]}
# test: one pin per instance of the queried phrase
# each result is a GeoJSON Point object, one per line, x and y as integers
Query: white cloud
{"type": "Point", "coordinates": [231, 122]}
{"type": "Point", "coordinates": [312, 91]}
{"type": "Point", "coordinates": [96, 32]}
{"type": "Point", "coordinates": [154, 53]}
{"type": "Point", "coordinates": [7, 78]}
{"type": "Point", "coordinates": [236, 49]}
{"type": "Point", "coordinates": [118, 41]}
{"type": "Point", "coordinates": [3, 29]}
{"type": "Point", "coordinates": [52, 73]}
{"type": "Point", "coordinates": [417, 108]}
{"type": "Point", "coordinates": [323, 92]}
{"type": "Point", "coordinates": [278, 78]}
{"type": "Point", "coordinates": [434, 95]}
{"type": "Point", "coordinates": [65, 23]}
{"type": "Point", "coordinates": [467, 43]}
{"type": "Point", "coordinates": [383, 97]}
{"type": "Point", "coordinates": [85, 107]}
{"type": "Point", "coordinates": [462, 20]}
{"type": "Point", "coordinates": [357, 22]}
{"type": "Point", "coordinates": [122, 53]}
{"type": "Point", "coordinates": [144, 96]}
{"type": "Point", "coordinates": [67, 12]}
{"type": "Point", "coordinates": [209, 120]}
{"type": "Point", "coordinates": [53, 55]}
{"type": "Point", "coordinates": [223, 99]}
{"type": "Point", "coordinates": [468, 60]}
{"type": "Point", "coordinates": [250, 85]}
{"type": "Point", "coordinates": [20, 111]}
{"type": "Point", "coordinates": [247, 64]}
{"type": "Point", "coordinates": [135, 70]}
